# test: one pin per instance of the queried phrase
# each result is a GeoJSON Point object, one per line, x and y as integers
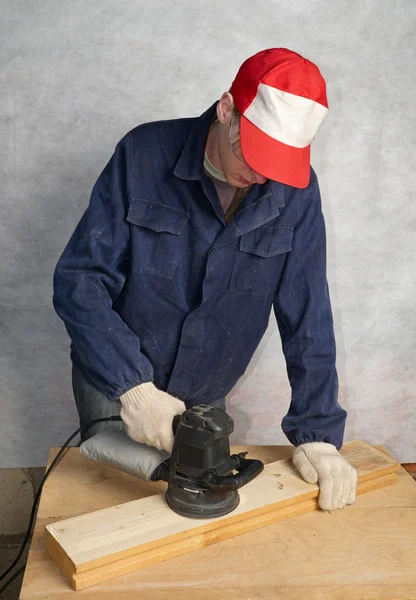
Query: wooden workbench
{"type": "Point", "coordinates": [366, 551]}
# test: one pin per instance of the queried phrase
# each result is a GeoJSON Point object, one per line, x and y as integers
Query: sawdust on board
{"type": "Point", "coordinates": [280, 485]}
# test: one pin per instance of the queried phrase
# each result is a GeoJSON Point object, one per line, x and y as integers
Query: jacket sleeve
{"type": "Point", "coordinates": [88, 278]}
{"type": "Point", "coordinates": [304, 317]}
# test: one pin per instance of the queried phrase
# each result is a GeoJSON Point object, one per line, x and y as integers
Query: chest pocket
{"type": "Point", "coordinates": [157, 237]}
{"type": "Point", "coordinates": [260, 259]}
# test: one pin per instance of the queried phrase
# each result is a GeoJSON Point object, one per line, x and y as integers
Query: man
{"type": "Point", "coordinates": [196, 229]}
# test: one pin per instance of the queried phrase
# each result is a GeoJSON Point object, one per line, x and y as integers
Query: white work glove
{"type": "Point", "coordinates": [319, 462]}
{"type": "Point", "coordinates": [148, 415]}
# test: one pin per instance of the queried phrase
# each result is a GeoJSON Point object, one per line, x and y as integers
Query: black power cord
{"type": "Point", "coordinates": [38, 494]}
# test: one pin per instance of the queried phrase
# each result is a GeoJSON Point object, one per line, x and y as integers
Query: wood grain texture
{"type": "Point", "coordinates": [98, 546]}
{"type": "Point", "coordinates": [365, 552]}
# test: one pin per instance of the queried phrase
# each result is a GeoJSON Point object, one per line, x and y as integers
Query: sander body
{"type": "Point", "coordinates": [202, 477]}
{"type": "Point", "coordinates": [199, 472]}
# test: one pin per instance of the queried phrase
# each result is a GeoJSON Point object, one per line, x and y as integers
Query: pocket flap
{"type": "Point", "coordinates": [267, 241]}
{"type": "Point", "coordinates": [158, 217]}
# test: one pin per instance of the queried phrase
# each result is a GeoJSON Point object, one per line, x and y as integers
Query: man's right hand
{"type": "Point", "coordinates": [148, 415]}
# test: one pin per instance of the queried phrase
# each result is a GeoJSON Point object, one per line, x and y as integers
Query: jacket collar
{"type": "Point", "coordinates": [191, 161]}
{"type": "Point", "coordinates": [190, 165]}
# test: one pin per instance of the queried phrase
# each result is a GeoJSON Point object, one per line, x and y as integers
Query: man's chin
{"type": "Point", "coordinates": [236, 182]}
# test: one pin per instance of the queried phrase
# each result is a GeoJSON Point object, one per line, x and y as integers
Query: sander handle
{"type": "Point", "coordinates": [247, 469]}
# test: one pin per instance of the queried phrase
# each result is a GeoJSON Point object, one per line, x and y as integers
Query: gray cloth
{"type": "Point", "coordinates": [93, 404]}
{"type": "Point", "coordinates": [108, 442]}
{"type": "Point", "coordinates": [117, 449]}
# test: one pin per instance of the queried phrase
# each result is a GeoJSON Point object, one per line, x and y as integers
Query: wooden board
{"type": "Point", "coordinates": [104, 544]}
{"type": "Point", "coordinates": [376, 558]}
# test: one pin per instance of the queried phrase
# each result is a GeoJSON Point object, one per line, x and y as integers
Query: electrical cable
{"type": "Point", "coordinates": [38, 493]}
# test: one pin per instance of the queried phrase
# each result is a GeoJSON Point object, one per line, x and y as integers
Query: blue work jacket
{"type": "Point", "coordinates": [155, 286]}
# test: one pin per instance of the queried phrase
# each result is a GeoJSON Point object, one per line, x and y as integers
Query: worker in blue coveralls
{"type": "Point", "coordinates": [196, 230]}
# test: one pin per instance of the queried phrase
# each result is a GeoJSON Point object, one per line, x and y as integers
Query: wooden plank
{"type": "Point", "coordinates": [122, 566]}
{"type": "Point", "coordinates": [375, 560]}
{"type": "Point", "coordinates": [104, 544]}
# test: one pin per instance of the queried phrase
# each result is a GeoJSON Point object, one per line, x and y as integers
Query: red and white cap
{"type": "Point", "coordinates": [282, 99]}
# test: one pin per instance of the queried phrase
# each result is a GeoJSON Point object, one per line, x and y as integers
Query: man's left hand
{"type": "Point", "coordinates": [319, 462]}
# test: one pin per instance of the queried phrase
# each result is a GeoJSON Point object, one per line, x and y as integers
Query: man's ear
{"type": "Point", "coordinates": [225, 108]}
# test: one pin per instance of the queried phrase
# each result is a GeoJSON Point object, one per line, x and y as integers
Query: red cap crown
{"type": "Point", "coordinates": [282, 99]}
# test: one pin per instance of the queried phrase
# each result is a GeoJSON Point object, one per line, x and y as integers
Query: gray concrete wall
{"type": "Point", "coordinates": [76, 76]}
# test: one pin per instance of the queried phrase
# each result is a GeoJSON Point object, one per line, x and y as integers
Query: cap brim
{"type": "Point", "coordinates": [272, 159]}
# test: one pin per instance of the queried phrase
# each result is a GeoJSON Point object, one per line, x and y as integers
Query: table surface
{"type": "Point", "coordinates": [365, 551]}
